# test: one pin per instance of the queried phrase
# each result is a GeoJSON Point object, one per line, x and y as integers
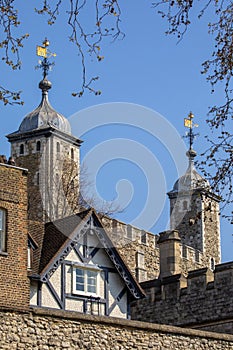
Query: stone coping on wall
{"type": "Point", "coordinates": [224, 266]}
{"type": "Point", "coordinates": [209, 323]}
{"type": "Point", "coordinates": [24, 170]}
{"type": "Point", "coordinates": [112, 321]}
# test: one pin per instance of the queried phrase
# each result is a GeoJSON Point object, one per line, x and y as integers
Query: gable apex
{"type": "Point", "coordinates": [62, 236]}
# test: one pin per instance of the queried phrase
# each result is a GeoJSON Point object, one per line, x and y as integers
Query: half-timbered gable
{"type": "Point", "coordinates": [80, 270]}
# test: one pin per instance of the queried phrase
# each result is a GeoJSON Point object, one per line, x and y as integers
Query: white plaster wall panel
{"type": "Point", "coordinates": [115, 287]}
{"type": "Point", "coordinates": [72, 256]}
{"type": "Point", "coordinates": [74, 305]}
{"type": "Point", "coordinates": [47, 299]}
{"type": "Point", "coordinates": [92, 240]}
{"type": "Point", "coordinates": [101, 258]}
{"type": "Point", "coordinates": [33, 293]}
{"type": "Point", "coordinates": [55, 279]}
{"type": "Point", "coordinates": [120, 310]}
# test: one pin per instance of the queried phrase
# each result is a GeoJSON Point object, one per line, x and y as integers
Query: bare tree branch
{"type": "Point", "coordinates": [10, 46]}
{"type": "Point", "coordinates": [107, 15]}
{"type": "Point", "coordinates": [218, 157]}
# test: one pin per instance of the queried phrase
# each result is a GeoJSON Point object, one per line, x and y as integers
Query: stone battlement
{"type": "Point", "coordinates": [204, 296]}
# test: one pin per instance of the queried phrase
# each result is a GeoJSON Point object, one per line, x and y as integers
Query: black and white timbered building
{"type": "Point", "coordinates": [80, 270]}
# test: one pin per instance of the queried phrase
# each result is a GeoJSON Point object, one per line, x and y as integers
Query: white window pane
{"type": "Point", "coordinates": [91, 281]}
{"type": "Point", "coordinates": [91, 289]}
{"type": "Point", "coordinates": [80, 279]}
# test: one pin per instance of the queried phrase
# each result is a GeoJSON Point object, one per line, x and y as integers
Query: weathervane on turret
{"type": "Point", "coordinates": [44, 52]}
{"type": "Point", "coordinates": [188, 123]}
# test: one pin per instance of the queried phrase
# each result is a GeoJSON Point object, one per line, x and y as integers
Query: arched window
{"type": "Point", "coordinates": [72, 185]}
{"type": "Point", "coordinates": [2, 230]}
{"type": "Point", "coordinates": [38, 145]}
{"type": "Point", "coordinates": [21, 149]}
{"type": "Point", "coordinates": [72, 153]}
{"type": "Point", "coordinates": [58, 147]}
{"type": "Point", "coordinates": [185, 205]}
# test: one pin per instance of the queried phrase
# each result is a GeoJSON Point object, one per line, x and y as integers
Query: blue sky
{"type": "Point", "coordinates": [148, 69]}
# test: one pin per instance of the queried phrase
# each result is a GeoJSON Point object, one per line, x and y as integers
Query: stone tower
{"type": "Point", "coordinates": [44, 145]}
{"type": "Point", "coordinates": [194, 212]}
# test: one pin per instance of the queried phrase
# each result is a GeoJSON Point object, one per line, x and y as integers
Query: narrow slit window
{"type": "Point", "coordinates": [2, 230]}
{"type": "Point", "coordinates": [21, 149]}
{"type": "Point", "coordinates": [212, 264]}
{"type": "Point", "coordinates": [72, 153]}
{"type": "Point", "coordinates": [143, 237]}
{"type": "Point", "coordinates": [38, 179]}
{"type": "Point", "coordinates": [129, 232]}
{"type": "Point", "coordinates": [38, 146]}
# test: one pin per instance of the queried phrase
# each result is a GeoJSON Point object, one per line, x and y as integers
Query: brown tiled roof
{"type": "Point", "coordinates": [57, 233]}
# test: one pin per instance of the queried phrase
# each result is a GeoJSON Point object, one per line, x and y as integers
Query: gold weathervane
{"type": "Point", "coordinates": [188, 123]}
{"type": "Point", "coordinates": [43, 51]}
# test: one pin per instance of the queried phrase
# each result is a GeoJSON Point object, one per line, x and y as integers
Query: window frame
{"type": "Point", "coordinates": [85, 270]}
{"type": "Point", "coordinates": [3, 231]}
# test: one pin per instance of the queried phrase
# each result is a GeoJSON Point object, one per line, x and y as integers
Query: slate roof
{"type": "Point", "coordinates": [44, 115]}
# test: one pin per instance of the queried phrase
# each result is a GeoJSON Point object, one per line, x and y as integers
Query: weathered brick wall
{"type": "Point", "coordinates": [14, 283]}
{"type": "Point", "coordinates": [205, 301]}
{"type": "Point", "coordinates": [46, 329]}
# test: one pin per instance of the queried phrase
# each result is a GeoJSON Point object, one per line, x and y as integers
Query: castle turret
{"type": "Point", "coordinates": [170, 253]}
{"type": "Point", "coordinates": [44, 145]}
{"type": "Point", "coordinates": [194, 211]}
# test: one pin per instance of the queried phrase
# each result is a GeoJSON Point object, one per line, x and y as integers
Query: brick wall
{"type": "Point", "coordinates": [14, 283]}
